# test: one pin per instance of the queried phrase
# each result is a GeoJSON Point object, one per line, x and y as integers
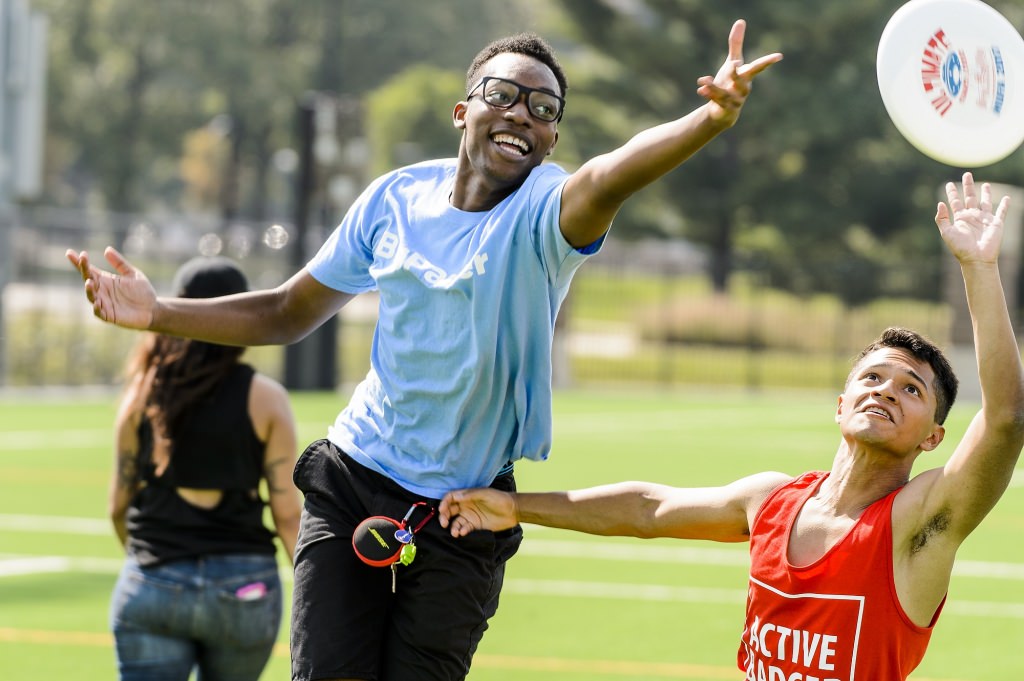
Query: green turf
{"type": "Point", "coordinates": [575, 607]}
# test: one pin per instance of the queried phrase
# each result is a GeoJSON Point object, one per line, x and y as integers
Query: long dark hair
{"type": "Point", "coordinates": [178, 373]}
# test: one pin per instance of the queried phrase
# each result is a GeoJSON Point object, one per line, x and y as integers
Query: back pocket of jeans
{"type": "Point", "coordinates": [148, 601]}
{"type": "Point", "coordinates": [249, 614]}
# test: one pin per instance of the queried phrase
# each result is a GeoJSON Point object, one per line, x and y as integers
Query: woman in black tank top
{"type": "Point", "coordinates": [198, 433]}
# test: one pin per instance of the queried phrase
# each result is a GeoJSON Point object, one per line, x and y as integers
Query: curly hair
{"type": "Point", "coordinates": [529, 44]}
{"type": "Point", "coordinates": [945, 383]}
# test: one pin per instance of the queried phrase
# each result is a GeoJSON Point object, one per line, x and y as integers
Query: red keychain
{"type": "Point", "coordinates": [381, 541]}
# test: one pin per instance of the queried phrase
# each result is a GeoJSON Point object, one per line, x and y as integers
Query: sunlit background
{"type": "Point", "coordinates": [245, 128]}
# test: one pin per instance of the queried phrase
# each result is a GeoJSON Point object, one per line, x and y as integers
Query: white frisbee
{"type": "Point", "coordinates": [951, 76]}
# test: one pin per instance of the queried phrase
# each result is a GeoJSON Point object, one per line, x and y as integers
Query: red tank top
{"type": "Point", "coordinates": [837, 619]}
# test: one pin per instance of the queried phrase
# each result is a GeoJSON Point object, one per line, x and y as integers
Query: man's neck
{"type": "Point", "coordinates": [861, 476]}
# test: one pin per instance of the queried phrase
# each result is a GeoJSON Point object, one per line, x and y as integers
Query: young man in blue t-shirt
{"type": "Point", "coordinates": [471, 257]}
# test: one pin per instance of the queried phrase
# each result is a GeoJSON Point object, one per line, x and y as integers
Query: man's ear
{"type": "Point", "coordinates": [839, 410]}
{"type": "Point", "coordinates": [553, 143]}
{"type": "Point", "coordinates": [459, 115]}
{"type": "Point", "coordinates": [933, 440]}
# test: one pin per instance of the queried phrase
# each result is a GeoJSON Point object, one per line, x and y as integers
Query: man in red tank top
{"type": "Point", "coordinates": [849, 567]}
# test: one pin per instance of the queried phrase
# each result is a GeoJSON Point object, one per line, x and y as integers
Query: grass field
{"type": "Point", "coordinates": [574, 607]}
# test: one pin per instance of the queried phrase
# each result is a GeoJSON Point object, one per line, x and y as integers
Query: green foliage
{"type": "Point", "coordinates": [814, 160]}
{"type": "Point", "coordinates": [130, 80]}
{"type": "Point", "coordinates": [812, 168]}
{"type": "Point", "coordinates": [409, 117]}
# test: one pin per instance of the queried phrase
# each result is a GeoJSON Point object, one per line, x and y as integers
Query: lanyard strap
{"type": "Point", "coordinates": [412, 509]}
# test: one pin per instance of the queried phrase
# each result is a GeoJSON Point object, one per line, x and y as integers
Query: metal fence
{"type": "Point", "coordinates": [638, 312]}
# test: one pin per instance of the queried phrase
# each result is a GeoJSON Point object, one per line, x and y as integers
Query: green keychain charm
{"type": "Point", "coordinates": [408, 554]}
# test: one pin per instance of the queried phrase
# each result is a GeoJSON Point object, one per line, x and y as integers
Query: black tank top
{"type": "Point", "coordinates": [216, 448]}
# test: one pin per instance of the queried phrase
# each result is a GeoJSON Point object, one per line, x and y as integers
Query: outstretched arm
{"type": "Point", "coordinates": [979, 471]}
{"type": "Point", "coordinates": [281, 315]}
{"type": "Point", "coordinates": [595, 192]}
{"type": "Point", "coordinates": [632, 509]}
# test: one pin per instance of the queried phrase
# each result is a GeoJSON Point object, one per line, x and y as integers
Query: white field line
{"type": "Point", "coordinates": [55, 524]}
{"type": "Point", "coordinates": [548, 548]}
{"type": "Point", "coordinates": [14, 566]}
{"type": "Point", "coordinates": [688, 555]}
{"type": "Point", "coordinates": [661, 593]}
{"type": "Point", "coordinates": [19, 441]}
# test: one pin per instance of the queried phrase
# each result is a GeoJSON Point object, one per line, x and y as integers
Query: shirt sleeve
{"type": "Point", "coordinates": [343, 262]}
{"type": "Point", "coordinates": [560, 258]}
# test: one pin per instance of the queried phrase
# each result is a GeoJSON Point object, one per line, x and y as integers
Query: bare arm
{"type": "Point", "coordinates": [275, 425]}
{"type": "Point", "coordinates": [979, 471]}
{"type": "Point", "coordinates": [125, 476]}
{"type": "Point", "coordinates": [276, 316]}
{"type": "Point", "coordinates": [633, 509]}
{"type": "Point", "coordinates": [594, 194]}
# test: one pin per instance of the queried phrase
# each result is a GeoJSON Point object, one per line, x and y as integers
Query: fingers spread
{"type": "Point", "coordinates": [986, 197]}
{"type": "Point", "coordinates": [118, 262]}
{"type": "Point", "coordinates": [758, 65]}
{"type": "Point", "coordinates": [970, 192]}
{"type": "Point", "coordinates": [1003, 209]}
{"type": "Point", "coordinates": [954, 197]}
{"type": "Point", "coordinates": [739, 29]}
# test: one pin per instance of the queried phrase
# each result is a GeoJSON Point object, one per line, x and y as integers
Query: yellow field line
{"type": "Point", "coordinates": [77, 638]}
{"type": "Point", "coordinates": [662, 670]}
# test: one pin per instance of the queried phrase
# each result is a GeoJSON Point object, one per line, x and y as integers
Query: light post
{"type": "Point", "coordinates": [22, 120]}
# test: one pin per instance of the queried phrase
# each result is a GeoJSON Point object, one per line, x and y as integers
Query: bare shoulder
{"type": "Point", "coordinates": [752, 490]}
{"type": "Point", "coordinates": [758, 486]}
{"type": "Point", "coordinates": [268, 403]}
{"type": "Point", "coordinates": [268, 388]}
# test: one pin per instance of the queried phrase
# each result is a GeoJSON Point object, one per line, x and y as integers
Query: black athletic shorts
{"type": "Point", "coordinates": [346, 622]}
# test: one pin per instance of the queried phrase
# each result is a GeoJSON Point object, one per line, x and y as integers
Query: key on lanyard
{"type": "Point", "coordinates": [407, 537]}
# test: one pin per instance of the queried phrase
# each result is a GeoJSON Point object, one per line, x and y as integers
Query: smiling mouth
{"type": "Point", "coordinates": [512, 143]}
{"type": "Point", "coordinates": [875, 411]}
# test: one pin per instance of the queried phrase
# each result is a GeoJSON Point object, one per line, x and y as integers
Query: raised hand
{"type": "Point", "coordinates": [126, 298]}
{"type": "Point", "coordinates": [968, 225]}
{"type": "Point", "coordinates": [477, 509]}
{"type": "Point", "coordinates": [727, 90]}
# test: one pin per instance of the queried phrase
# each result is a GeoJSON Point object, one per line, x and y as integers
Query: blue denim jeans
{"type": "Point", "coordinates": [217, 614]}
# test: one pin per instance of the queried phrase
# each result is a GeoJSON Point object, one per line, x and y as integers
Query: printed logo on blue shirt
{"type": "Point", "coordinates": [390, 248]}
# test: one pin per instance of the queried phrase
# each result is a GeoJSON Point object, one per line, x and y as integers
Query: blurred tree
{"type": "Point", "coordinates": [203, 153]}
{"type": "Point", "coordinates": [814, 166]}
{"type": "Point", "coordinates": [420, 100]}
{"type": "Point", "coordinates": [129, 81]}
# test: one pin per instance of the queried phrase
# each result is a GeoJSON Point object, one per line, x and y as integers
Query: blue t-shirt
{"type": "Point", "coordinates": [460, 368]}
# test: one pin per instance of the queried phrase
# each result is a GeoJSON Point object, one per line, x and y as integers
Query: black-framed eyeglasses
{"type": "Point", "coordinates": [503, 94]}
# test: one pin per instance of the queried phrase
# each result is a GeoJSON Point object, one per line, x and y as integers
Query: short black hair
{"type": "Point", "coordinates": [945, 383]}
{"type": "Point", "coordinates": [529, 44]}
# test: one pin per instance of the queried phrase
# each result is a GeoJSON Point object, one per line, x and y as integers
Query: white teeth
{"type": "Point", "coordinates": [514, 141]}
{"type": "Point", "coordinates": [875, 410]}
